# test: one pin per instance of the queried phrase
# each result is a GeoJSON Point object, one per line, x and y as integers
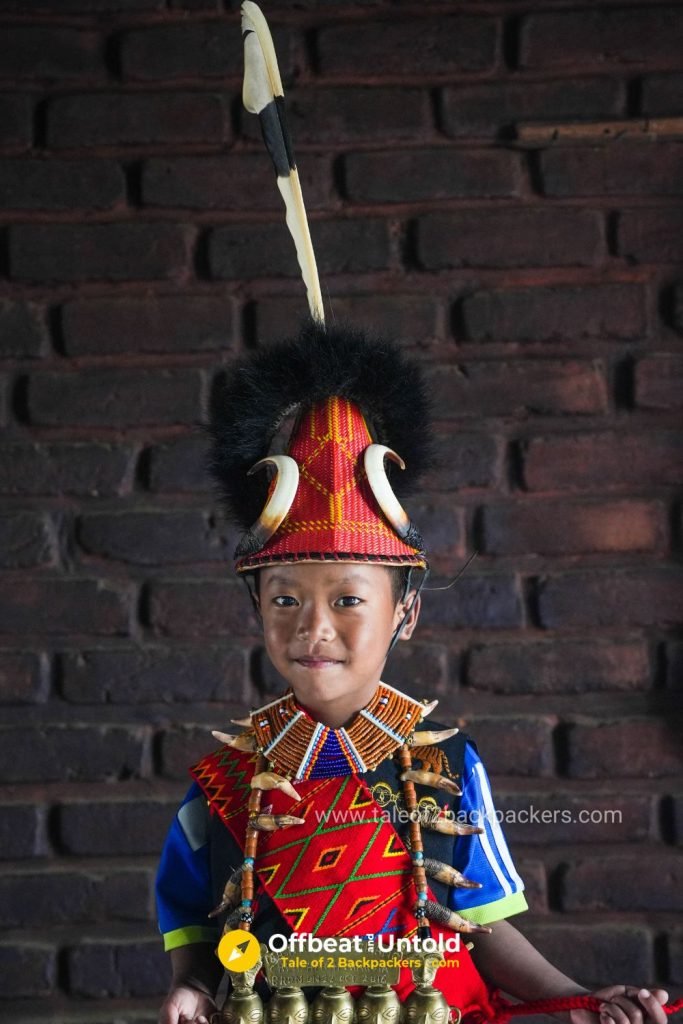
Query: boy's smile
{"type": "Point", "coordinates": [327, 629]}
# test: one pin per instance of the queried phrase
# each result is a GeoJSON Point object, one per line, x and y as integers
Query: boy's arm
{"type": "Point", "coordinates": [508, 961]}
{"type": "Point", "coordinates": [197, 973]}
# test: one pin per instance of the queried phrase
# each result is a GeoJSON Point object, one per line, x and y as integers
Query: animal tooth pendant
{"type": "Point", "coordinates": [378, 1004]}
{"type": "Point", "coordinates": [271, 780]}
{"type": "Point", "coordinates": [425, 1005]}
{"type": "Point", "coordinates": [231, 894]}
{"type": "Point", "coordinates": [449, 827]}
{"type": "Point", "coordinates": [271, 822]}
{"type": "Point", "coordinates": [442, 915]}
{"type": "Point", "coordinates": [427, 738]}
{"type": "Point", "coordinates": [428, 708]}
{"type": "Point", "coordinates": [432, 779]}
{"type": "Point", "coordinates": [245, 741]}
{"type": "Point", "coordinates": [332, 1005]}
{"type": "Point", "coordinates": [445, 873]}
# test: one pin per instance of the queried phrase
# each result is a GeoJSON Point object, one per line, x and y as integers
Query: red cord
{"type": "Point", "coordinates": [562, 1003]}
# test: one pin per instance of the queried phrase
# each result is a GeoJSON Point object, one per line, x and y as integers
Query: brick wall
{"type": "Point", "coordinates": [497, 181]}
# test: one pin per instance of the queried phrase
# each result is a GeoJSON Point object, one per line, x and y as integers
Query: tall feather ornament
{"type": "Point", "coordinates": [262, 94]}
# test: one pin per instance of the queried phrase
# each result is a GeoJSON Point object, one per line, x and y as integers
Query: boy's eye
{"type": "Point", "coordinates": [348, 601]}
{"type": "Point", "coordinates": [285, 601]}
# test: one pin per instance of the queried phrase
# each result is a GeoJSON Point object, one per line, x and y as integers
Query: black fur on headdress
{"type": "Point", "coordinates": [250, 401]}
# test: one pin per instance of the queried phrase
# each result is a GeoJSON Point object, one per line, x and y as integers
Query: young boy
{"type": "Point", "coordinates": [335, 586]}
{"type": "Point", "coordinates": [301, 797]}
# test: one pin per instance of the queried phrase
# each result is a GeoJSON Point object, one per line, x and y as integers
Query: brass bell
{"type": "Point", "coordinates": [332, 1005]}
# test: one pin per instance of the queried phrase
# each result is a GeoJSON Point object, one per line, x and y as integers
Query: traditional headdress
{"type": "Point", "coordinates": [358, 405]}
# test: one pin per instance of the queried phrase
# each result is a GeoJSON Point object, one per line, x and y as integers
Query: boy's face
{"type": "Point", "coordinates": [327, 629]}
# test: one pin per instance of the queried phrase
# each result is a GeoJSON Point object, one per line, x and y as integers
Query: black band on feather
{"type": "Point", "coordinates": [276, 136]}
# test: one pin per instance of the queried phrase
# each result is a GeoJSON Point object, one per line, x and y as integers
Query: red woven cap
{"type": "Point", "coordinates": [334, 515]}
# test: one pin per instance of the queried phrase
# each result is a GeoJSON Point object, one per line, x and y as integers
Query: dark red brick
{"type": "Point", "coordinates": [350, 114]}
{"type": "Point", "coordinates": [155, 323]}
{"type": "Point", "coordinates": [73, 898]}
{"type": "Point", "coordinates": [676, 818]}
{"type": "Point", "coordinates": [601, 37]}
{"type": "Point", "coordinates": [234, 181]}
{"type": "Point", "coordinates": [421, 670]}
{"type": "Point", "coordinates": [677, 308]}
{"type": "Point", "coordinates": [493, 107]}
{"type": "Point", "coordinates": [651, 236]}
{"type": "Point", "coordinates": [109, 252]}
{"type": "Point", "coordinates": [602, 461]}
{"type": "Point", "coordinates": [153, 537]}
{"type": "Point", "coordinates": [114, 828]}
{"type": "Point", "coordinates": [674, 665]}
{"type": "Point", "coordinates": [620, 883]}
{"type": "Point", "coordinates": [186, 745]}
{"type": "Point", "coordinates": [29, 969]}
{"type": "Point", "coordinates": [661, 95]}
{"type": "Point", "coordinates": [402, 47]}
{"type": "Point", "coordinates": [200, 49]}
{"type": "Point", "coordinates": [565, 818]}
{"type": "Point", "coordinates": [24, 678]}
{"type": "Point", "coordinates": [509, 238]}
{"type": "Point", "coordinates": [201, 608]}
{"type": "Point", "coordinates": [58, 606]}
{"type": "Point", "coordinates": [179, 466]}
{"type": "Point", "coordinates": [632, 747]}
{"type": "Point", "coordinates": [559, 667]}
{"type": "Point", "coordinates": [16, 128]}
{"type": "Point", "coordinates": [4, 399]}
{"type": "Point", "coordinates": [26, 541]}
{"type": "Point", "coordinates": [553, 314]}
{"type": "Point", "coordinates": [532, 386]}
{"type": "Point", "coordinates": [484, 602]}
{"type": "Point", "coordinates": [61, 468]}
{"type": "Point", "coordinates": [533, 872]}
{"type": "Point", "coordinates": [130, 119]}
{"type": "Point", "coordinates": [28, 184]}
{"type": "Point", "coordinates": [514, 745]}
{"type": "Point", "coordinates": [154, 674]}
{"type": "Point", "coordinates": [411, 320]}
{"type": "Point", "coordinates": [22, 831]}
{"type": "Point", "coordinates": [675, 941]}
{"type": "Point", "coordinates": [638, 168]}
{"type": "Point", "coordinates": [557, 528]}
{"type": "Point", "coordinates": [52, 52]}
{"type": "Point", "coordinates": [442, 525]}
{"type": "Point", "coordinates": [265, 250]}
{"type": "Point", "coordinates": [115, 398]}
{"type": "Point", "coordinates": [659, 381]}
{"type": "Point", "coordinates": [75, 753]}
{"type": "Point", "coordinates": [82, 6]}
{"type": "Point", "coordinates": [441, 173]}
{"type": "Point", "coordinates": [23, 330]}
{"type": "Point", "coordinates": [595, 952]}
{"type": "Point", "coordinates": [466, 462]}
{"type": "Point", "coordinates": [107, 970]}
{"type": "Point", "coordinates": [611, 598]}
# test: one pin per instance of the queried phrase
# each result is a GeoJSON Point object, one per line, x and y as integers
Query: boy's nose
{"type": "Point", "coordinates": [314, 624]}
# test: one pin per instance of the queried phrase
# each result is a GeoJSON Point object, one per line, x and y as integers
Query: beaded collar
{"type": "Point", "coordinates": [298, 747]}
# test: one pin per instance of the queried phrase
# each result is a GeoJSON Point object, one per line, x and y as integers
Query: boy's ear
{"type": "Point", "coordinates": [410, 609]}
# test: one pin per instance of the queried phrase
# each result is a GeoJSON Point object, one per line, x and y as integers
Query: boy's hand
{"type": "Point", "coordinates": [625, 1004]}
{"type": "Point", "coordinates": [184, 1005]}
